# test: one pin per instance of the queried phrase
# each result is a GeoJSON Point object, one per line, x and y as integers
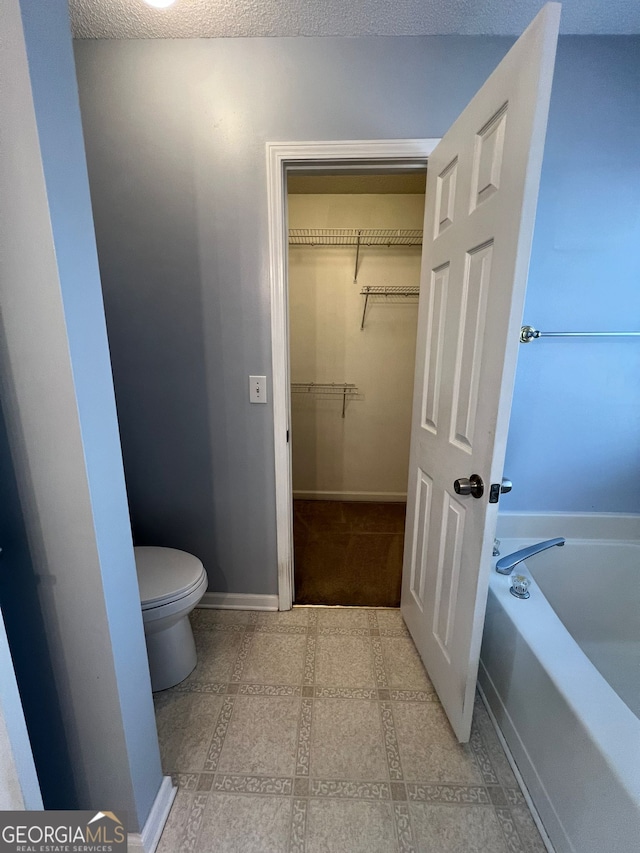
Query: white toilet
{"type": "Point", "coordinates": [171, 584]}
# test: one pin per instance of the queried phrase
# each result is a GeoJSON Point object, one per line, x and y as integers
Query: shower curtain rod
{"type": "Point", "coordinates": [528, 334]}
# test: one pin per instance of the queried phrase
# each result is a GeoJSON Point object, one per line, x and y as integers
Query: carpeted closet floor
{"type": "Point", "coordinates": [348, 553]}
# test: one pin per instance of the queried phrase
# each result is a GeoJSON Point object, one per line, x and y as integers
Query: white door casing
{"type": "Point", "coordinates": [482, 187]}
{"type": "Point", "coordinates": [376, 155]}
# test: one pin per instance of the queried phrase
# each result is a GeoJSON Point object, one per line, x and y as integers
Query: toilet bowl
{"type": "Point", "coordinates": [171, 584]}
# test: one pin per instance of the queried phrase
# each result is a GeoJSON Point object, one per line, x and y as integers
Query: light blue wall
{"type": "Point", "coordinates": [574, 439]}
{"type": "Point", "coordinates": [175, 134]}
{"type": "Point", "coordinates": [75, 626]}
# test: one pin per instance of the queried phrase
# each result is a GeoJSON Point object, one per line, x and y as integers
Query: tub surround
{"type": "Point", "coordinates": [573, 738]}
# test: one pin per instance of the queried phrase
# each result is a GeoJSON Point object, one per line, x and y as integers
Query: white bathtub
{"type": "Point", "coordinates": [550, 668]}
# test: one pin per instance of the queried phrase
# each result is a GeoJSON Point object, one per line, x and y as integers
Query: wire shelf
{"type": "Point", "coordinates": [344, 389]}
{"type": "Point", "coordinates": [393, 291]}
{"type": "Point", "coordinates": [355, 237]}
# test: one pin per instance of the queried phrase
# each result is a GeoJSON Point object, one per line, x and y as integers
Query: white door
{"type": "Point", "coordinates": [482, 187]}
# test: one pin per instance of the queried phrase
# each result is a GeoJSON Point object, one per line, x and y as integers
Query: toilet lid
{"type": "Point", "coordinates": [165, 574]}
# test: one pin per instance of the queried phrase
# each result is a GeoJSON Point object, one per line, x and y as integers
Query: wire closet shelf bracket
{"type": "Point", "coordinates": [384, 290]}
{"type": "Point", "coordinates": [346, 389]}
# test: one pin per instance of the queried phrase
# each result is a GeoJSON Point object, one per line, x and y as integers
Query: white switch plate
{"type": "Point", "coordinates": [257, 389]}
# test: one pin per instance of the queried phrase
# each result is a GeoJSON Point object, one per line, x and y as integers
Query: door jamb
{"type": "Point", "coordinates": [282, 157]}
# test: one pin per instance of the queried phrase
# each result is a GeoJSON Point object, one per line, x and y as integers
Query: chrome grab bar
{"type": "Point", "coordinates": [506, 565]}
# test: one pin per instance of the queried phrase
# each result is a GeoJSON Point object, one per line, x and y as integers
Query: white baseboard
{"type": "Point", "coordinates": [238, 601]}
{"type": "Point", "coordinates": [374, 497]}
{"type": "Point", "coordinates": [147, 840]}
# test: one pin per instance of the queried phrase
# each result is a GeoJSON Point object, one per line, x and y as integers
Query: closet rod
{"type": "Point", "coordinates": [528, 334]}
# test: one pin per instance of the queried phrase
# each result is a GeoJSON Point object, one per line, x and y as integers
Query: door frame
{"type": "Point", "coordinates": [282, 158]}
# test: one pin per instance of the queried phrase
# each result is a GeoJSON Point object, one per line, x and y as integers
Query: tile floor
{"type": "Point", "coordinates": [318, 731]}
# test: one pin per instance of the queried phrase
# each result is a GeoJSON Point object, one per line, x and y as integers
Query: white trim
{"type": "Point", "coordinates": [512, 762]}
{"type": "Point", "coordinates": [377, 497]}
{"type": "Point", "coordinates": [238, 601]}
{"type": "Point", "coordinates": [283, 156]}
{"type": "Point", "coordinates": [147, 840]}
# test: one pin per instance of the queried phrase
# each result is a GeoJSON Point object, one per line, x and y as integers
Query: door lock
{"type": "Point", "coordinates": [498, 489]}
{"type": "Point", "coordinates": [471, 486]}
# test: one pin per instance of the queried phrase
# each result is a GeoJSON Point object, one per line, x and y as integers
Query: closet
{"type": "Point", "coordinates": [354, 271]}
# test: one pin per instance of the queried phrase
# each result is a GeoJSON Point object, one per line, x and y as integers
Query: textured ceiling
{"type": "Point", "coordinates": [248, 18]}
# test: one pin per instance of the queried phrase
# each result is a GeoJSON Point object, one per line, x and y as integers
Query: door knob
{"type": "Point", "coordinates": [471, 486]}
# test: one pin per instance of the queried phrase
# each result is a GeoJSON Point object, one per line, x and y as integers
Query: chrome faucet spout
{"type": "Point", "coordinates": [506, 565]}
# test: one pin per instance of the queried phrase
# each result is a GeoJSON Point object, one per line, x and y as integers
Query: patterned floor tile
{"type": "Point", "coordinates": [348, 789]}
{"type": "Point", "coordinates": [353, 826]}
{"type": "Point", "coordinates": [494, 751]}
{"type": "Point", "coordinates": [390, 619]}
{"type": "Point", "coordinates": [183, 826]}
{"type": "Point", "coordinates": [261, 738]}
{"type": "Point", "coordinates": [429, 750]}
{"type": "Point", "coordinates": [527, 830]}
{"type": "Point", "coordinates": [217, 652]}
{"type": "Point", "coordinates": [303, 746]}
{"type": "Point", "coordinates": [185, 722]}
{"type": "Point", "coordinates": [347, 740]}
{"type": "Point", "coordinates": [456, 829]}
{"type": "Point", "coordinates": [344, 661]}
{"type": "Point", "coordinates": [275, 659]}
{"type": "Point", "coordinates": [218, 735]}
{"type": "Point", "coordinates": [295, 616]}
{"type": "Point", "coordinates": [236, 783]}
{"type": "Point", "coordinates": [250, 824]}
{"type": "Point", "coordinates": [403, 665]}
{"type": "Point", "coordinates": [205, 618]}
{"type": "Point", "coordinates": [342, 617]}
{"type": "Point", "coordinates": [319, 730]}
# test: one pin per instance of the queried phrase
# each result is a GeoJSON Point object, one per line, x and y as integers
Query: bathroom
{"type": "Point", "coordinates": [202, 483]}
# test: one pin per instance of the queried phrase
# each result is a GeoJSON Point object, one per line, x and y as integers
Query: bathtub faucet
{"type": "Point", "coordinates": [506, 565]}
